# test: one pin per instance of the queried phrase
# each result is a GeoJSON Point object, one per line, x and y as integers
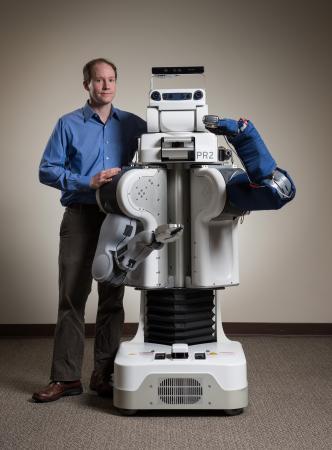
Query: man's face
{"type": "Point", "coordinates": [102, 86]}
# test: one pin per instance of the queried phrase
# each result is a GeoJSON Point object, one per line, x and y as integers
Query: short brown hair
{"type": "Point", "coordinates": [89, 65]}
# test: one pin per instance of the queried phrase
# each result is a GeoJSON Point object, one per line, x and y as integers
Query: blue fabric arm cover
{"type": "Point", "coordinates": [252, 151]}
{"type": "Point", "coordinates": [243, 195]}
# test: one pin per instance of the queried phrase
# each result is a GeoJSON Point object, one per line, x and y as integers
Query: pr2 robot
{"type": "Point", "coordinates": [171, 232]}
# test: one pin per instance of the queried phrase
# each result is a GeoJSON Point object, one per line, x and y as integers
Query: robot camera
{"type": "Point", "coordinates": [189, 70]}
{"type": "Point", "coordinates": [155, 95]}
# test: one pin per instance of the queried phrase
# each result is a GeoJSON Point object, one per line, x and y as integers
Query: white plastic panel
{"type": "Point", "coordinates": [177, 121]}
{"type": "Point", "coordinates": [152, 119]}
{"type": "Point", "coordinates": [214, 244]}
{"type": "Point", "coordinates": [142, 194]}
{"type": "Point", "coordinates": [225, 362]}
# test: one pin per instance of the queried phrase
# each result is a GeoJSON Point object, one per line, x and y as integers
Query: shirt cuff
{"type": "Point", "coordinates": [83, 183]}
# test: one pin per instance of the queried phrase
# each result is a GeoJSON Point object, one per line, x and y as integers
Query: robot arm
{"type": "Point", "coordinates": [140, 247]}
{"type": "Point", "coordinates": [120, 250]}
{"type": "Point", "coordinates": [264, 186]}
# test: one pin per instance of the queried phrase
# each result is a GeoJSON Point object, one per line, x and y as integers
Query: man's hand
{"type": "Point", "coordinates": [103, 177]}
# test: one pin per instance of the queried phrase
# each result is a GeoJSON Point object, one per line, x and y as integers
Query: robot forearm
{"type": "Point", "coordinates": [120, 251]}
{"type": "Point", "coordinates": [137, 249]}
{"type": "Point", "coordinates": [142, 245]}
{"type": "Point", "coordinates": [266, 186]}
{"type": "Point", "coordinates": [248, 144]}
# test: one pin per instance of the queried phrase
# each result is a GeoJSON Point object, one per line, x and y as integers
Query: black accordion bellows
{"type": "Point", "coordinates": [180, 315]}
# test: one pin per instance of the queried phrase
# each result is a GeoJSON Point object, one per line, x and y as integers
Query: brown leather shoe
{"type": "Point", "coordinates": [56, 390]}
{"type": "Point", "coordinates": [101, 384]}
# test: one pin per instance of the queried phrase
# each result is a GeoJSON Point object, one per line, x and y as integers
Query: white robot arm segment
{"type": "Point", "coordinates": [120, 251]}
{"type": "Point", "coordinates": [115, 233]}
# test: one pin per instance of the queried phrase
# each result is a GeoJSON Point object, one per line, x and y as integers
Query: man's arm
{"type": "Point", "coordinates": [53, 170]}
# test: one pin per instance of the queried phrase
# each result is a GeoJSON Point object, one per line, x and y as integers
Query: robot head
{"type": "Point", "coordinates": [176, 110]}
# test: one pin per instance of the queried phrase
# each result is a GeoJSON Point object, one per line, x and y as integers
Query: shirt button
{"type": "Point", "coordinates": [107, 157]}
{"type": "Point", "coordinates": [107, 142]}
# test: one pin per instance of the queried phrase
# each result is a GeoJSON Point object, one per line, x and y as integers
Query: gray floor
{"type": "Point", "coordinates": [290, 391]}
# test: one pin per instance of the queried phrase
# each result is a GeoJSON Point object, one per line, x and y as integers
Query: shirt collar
{"type": "Point", "coordinates": [88, 112]}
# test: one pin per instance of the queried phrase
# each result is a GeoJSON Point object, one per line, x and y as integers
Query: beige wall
{"type": "Point", "coordinates": [268, 61]}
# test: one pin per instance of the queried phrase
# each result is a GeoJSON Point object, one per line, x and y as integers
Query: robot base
{"type": "Point", "coordinates": [213, 377]}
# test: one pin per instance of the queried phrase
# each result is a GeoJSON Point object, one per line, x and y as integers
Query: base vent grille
{"type": "Point", "coordinates": [180, 391]}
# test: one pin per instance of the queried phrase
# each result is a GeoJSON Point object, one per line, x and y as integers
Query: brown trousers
{"type": "Point", "coordinates": [79, 234]}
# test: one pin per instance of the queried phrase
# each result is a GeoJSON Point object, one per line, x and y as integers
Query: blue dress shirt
{"type": "Point", "coordinates": [81, 145]}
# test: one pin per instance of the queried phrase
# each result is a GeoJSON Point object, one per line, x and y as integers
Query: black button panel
{"type": "Point", "coordinates": [200, 356]}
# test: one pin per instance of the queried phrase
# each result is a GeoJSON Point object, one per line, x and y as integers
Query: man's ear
{"type": "Point", "coordinates": [86, 85]}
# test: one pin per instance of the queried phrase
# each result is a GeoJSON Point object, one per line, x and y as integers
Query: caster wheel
{"type": "Point", "coordinates": [233, 412]}
{"type": "Point", "coordinates": [128, 412]}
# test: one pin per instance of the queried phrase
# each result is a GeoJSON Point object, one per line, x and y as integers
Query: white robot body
{"type": "Point", "coordinates": [175, 147]}
{"type": "Point", "coordinates": [142, 194]}
{"type": "Point", "coordinates": [210, 375]}
{"type": "Point", "coordinates": [179, 179]}
{"type": "Point", "coordinates": [219, 381]}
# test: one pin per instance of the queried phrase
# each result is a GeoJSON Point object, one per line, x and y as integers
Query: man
{"type": "Point", "coordinates": [86, 149]}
